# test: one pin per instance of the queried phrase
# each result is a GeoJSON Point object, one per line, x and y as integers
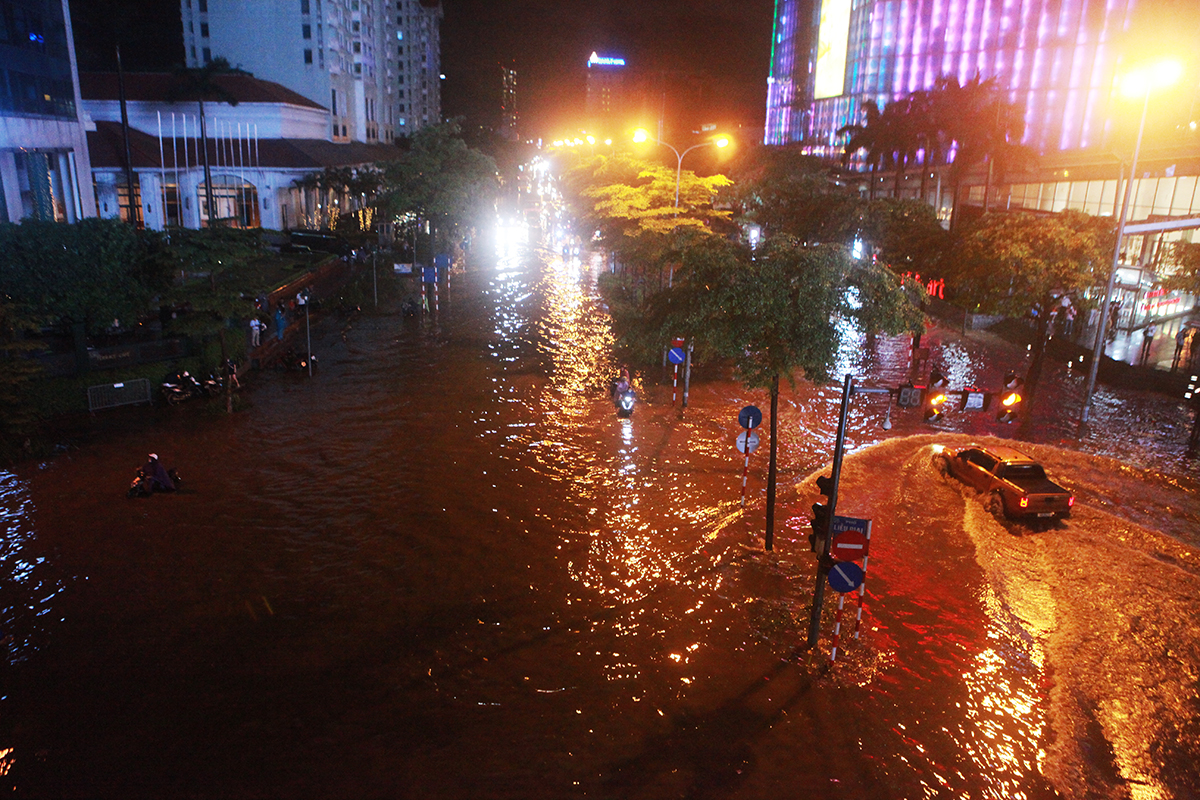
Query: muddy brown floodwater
{"type": "Point", "coordinates": [443, 568]}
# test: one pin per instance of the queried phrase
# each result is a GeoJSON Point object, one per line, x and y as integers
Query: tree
{"type": "Point", "coordinates": [869, 135]}
{"type": "Point", "coordinates": [774, 313]}
{"type": "Point", "coordinates": [216, 286]}
{"type": "Point", "coordinates": [623, 196]}
{"type": "Point", "coordinates": [200, 84]}
{"type": "Point", "coordinates": [87, 274]}
{"type": "Point", "coordinates": [785, 191]}
{"type": "Point", "coordinates": [905, 234]}
{"type": "Point", "coordinates": [1184, 259]}
{"type": "Point", "coordinates": [17, 415]}
{"type": "Point", "coordinates": [1006, 263]}
{"type": "Point", "coordinates": [438, 177]}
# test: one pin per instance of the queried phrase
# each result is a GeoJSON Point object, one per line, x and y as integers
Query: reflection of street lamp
{"type": "Point", "coordinates": [1137, 83]}
{"type": "Point", "coordinates": [642, 135]}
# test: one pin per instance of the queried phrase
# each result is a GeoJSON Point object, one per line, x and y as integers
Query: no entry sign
{"type": "Point", "coordinates": [849, 546]}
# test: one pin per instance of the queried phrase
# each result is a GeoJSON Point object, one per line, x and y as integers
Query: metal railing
{"type": "Point", "coordinates": [111, 395]}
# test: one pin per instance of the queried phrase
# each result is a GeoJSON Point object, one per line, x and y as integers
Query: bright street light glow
{"type": "Point", "coordinates": [591, 139]}
{"type": "Point", "coordinates": [1150, 77]}
{"type": "Point", "coordinates": [641, 135]}
{"type": "Point", "coordinates": [721, 141]}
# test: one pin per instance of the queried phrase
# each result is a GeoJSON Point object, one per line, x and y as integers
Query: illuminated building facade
{"type": "Point", "coordinates": [44, 162]}
{"type": "Point", "coordinates": [1056, 59]}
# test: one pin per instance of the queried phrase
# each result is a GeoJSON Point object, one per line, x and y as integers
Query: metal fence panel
{"type": "Point", "coordinates": [111, 395]}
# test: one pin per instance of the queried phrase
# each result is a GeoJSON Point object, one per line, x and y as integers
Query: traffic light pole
{"type": "Point", "coordinates": [824, 559]}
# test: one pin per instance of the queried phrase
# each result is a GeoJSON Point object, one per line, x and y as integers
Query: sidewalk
{"type": "Point", "coordinates": [1127, 347]}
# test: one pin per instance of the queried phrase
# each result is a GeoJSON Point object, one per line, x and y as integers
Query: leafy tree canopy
{"type": "Point", "coordinates": [621, 195]}
{"type": "Point", "coordinates": [787, 192]}
{"type": "Point", "coordinates": [438, 176]}
{"type": "Point", "coordinates": [1184, 259]}
{"type": "Point", "coordinates": [91, 272]}
{"type": "Point", "coordinates": [1008, 262]}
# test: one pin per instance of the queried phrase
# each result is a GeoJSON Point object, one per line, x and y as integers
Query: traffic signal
{"type": "Point", "coordinates": [822, 516]}
{"type": "Point", "coordinates": [1010, 398]}
{"type": "Point", "coordinates": [935, 395]}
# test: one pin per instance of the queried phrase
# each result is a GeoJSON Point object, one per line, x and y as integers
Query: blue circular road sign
{"type": "Point", "coordinates": [676, 355]}
{"type": "Point", "coordinates": [750, 417]}
{"type": "Point", "coordinates": [846, 576]}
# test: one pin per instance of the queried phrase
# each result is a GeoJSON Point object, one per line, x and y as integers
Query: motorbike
{"type": "Point", "coordinates": [292, 360]}
{"type": "Point", "coordinates": [181, 387]}
{"type": "Point", "coordinates": [624, 403]}
{"type": "Point", "coordinates": [143, 485]}
{"type": "Point", "coordinates": [213, 385]}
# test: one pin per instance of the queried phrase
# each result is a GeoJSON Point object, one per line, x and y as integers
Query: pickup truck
{"type": "Point", "coordinates": [1015, 484]}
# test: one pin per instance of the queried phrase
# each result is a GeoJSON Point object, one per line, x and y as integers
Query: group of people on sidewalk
{"type": "Point", "coordinates": [284, 310]}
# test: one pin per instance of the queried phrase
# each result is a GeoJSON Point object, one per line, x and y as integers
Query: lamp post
{"type": "Point", "coordinates": [1140, 82]}
{"type": "Point", "coordinates": [642, 135]}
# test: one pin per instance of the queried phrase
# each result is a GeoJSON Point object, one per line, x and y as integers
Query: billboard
{"type": "Point", "coordinates": [833, 38]}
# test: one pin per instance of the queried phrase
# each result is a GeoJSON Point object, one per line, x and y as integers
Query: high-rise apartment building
{"type": "Point", "coordinates": [375, 64]}
{"type": "Point", "coordinates": [1055, 59]}
{"type": "Point", "coordinates": [43, 145]}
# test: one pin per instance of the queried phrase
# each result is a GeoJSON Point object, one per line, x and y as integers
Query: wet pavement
{"type": "Point", "coordinates": [443, 568]}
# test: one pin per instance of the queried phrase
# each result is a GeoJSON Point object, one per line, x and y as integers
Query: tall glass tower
{"type": "Point", "coordinates": [1056, 59]}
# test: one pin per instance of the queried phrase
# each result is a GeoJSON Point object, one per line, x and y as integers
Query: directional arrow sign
{"type": "Point", "coordinates": [846, 576]}
{"type": "Point", "coordinates": [676, 355]}
{"type": "Point", "coordinates": [744, 442]}
{"type": "Point", "coordinates": [750, 417]}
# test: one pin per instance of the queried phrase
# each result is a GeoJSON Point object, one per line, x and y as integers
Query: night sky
{"type": "Point", "coordinates": [546, 41]}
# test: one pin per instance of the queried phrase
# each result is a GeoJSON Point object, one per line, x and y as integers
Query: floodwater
{"type": "Point", "coordinates": [443, 568]}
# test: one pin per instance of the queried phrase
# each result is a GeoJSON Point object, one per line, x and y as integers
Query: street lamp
{"type": "Point", "coordinates": [642, 135]}
{"type": "Point", "coordinates": [1139, 83]}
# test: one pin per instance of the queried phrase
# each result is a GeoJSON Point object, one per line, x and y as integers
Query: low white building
{"type": "Point", "coordinates": [257, 150]}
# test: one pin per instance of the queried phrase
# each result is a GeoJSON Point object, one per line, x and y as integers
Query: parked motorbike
{"type": "Point", "coordinates": [144, 486]}
{"type": "Point", "coordinates": [181, 387]}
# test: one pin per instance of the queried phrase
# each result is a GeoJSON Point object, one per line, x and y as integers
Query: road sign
{"type": "Point", "coordinates": [846, 576]}
{"type": "Point", "coordinates": [750, 417]}
{"type": "Point", "coordinates": [973, 401]}
{"type": "Point", "coordinates": [744, 441]}
{"type": "Point", "coordinates": [429, 274]}
{"type": "Point", "coordinates": [849, 545]}
{"type": "Point", "coordinates": [676, 355]}
{"type": "Point", "coordinates": [442, 261]}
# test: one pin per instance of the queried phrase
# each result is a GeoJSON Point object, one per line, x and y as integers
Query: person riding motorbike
{"type": "Point", "coordinates": [156, 475]}
{"type": "Point", "coordinates": [621, 385]}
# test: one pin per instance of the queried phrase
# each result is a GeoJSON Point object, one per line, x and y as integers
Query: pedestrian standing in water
{"type": "Point", "coordinates": [1148, 339]}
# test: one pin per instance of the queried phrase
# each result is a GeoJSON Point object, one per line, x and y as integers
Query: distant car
{"type": "Point", "coordinates": [1015, 485]}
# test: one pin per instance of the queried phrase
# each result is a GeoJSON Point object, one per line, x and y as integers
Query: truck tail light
{"type": "Point", "coordinates": [1024, 502]}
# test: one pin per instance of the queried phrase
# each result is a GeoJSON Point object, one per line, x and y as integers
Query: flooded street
{"type": "Point", "coordinates": [443, 568]}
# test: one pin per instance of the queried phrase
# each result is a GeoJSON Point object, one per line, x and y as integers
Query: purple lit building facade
{"type": "Point", "coordinates": [1055, 58]}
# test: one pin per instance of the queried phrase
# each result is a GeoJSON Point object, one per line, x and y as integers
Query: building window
{"type": "Point", "coordinates": [356, 26]}
{"type": "Point", "coordinates": [333, 101]}
{"type": "Point", "coordinates": [207, 55]}
{"type": "Point", "coordinates": [203, 5]}
{"type": "Point", "coordinates": [358, 47]}
{"type": "Point", "coordinates": [308, 56]}
{"type": "Point", "coordinates": [306, 31]}
{"type": "Point", "coordinates": [304, 7]}
{"type": "Point", "coordinates": [343, 130]}
{"type": "Point", "coordinates": [203, 30]}
{"type": "Point", "coordinates": [358, 69]}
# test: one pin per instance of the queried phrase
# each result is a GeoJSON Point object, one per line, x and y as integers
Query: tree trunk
{"type": "Point", "coordinates": [1033, 376]}
{"type": "Point", "coordinates": [770, 535]}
